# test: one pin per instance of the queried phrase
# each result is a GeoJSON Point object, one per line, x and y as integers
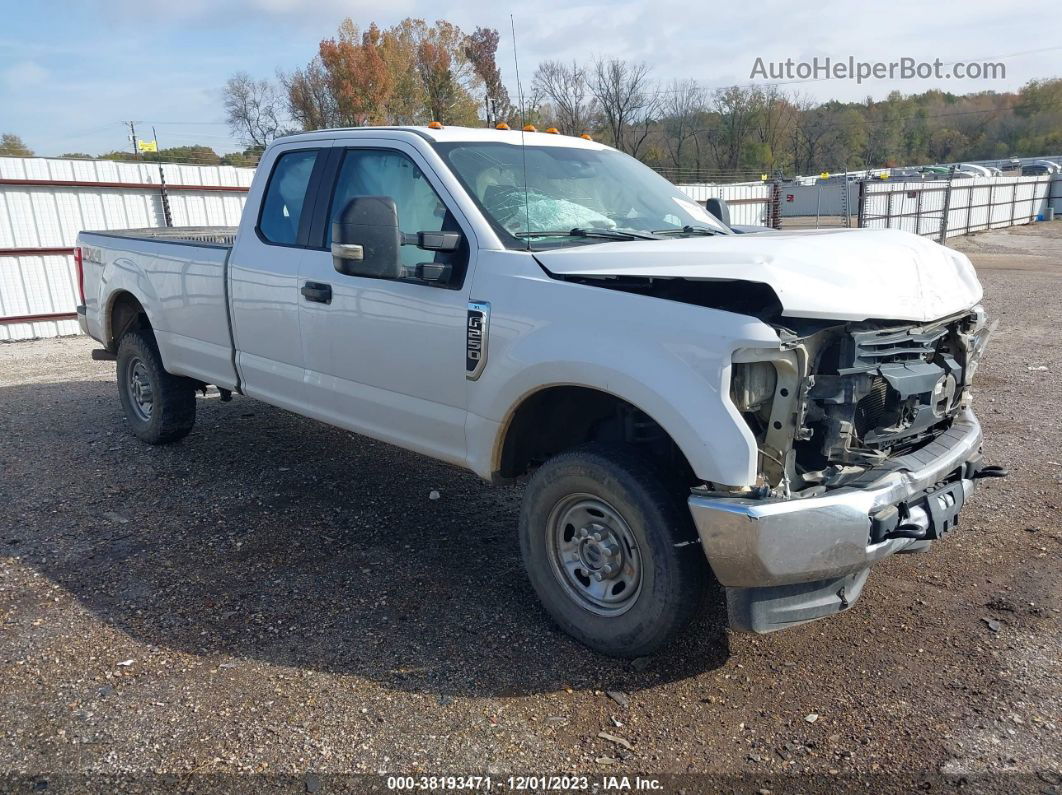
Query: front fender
{"type": "Point", "coordinates": [670, 360]}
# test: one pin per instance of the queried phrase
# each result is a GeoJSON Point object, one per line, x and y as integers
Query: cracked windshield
{"type": "Point", "coordinates": [573, 195]}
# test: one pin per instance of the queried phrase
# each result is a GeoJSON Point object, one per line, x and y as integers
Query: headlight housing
{"type": "Point", "coordinates": [752, 385]}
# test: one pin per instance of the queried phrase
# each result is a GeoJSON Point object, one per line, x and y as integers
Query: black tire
{"type": "Point", "coordinates": [635, 498]}
{"type": "Point", "coordinates": [170, 399]}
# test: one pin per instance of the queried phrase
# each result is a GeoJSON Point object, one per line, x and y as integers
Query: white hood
{"type": "Point", "coordinates": [832, 274]}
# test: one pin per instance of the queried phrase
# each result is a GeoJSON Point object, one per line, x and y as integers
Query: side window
{"type": "Point", "coordinates": [285, 197]}
{"type": "Point", "coordinates": [375, 172]}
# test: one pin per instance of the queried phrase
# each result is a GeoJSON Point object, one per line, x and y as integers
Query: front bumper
{"type": "Point", "coordinates": [785, 562]}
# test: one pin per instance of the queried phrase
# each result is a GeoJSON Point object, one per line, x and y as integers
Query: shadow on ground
{"type": "Point", "coordinates": [267, 536]}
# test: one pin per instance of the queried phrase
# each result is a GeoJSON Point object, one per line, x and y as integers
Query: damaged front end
{"type": "Point", "coordinates": [839, 399]}
{"type": "Point", "coordinates": [867, 447]}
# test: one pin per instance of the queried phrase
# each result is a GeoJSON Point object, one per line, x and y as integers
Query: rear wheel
{"type": "Point", "coordinates": [159, 406]}
{"type": "Point", "coordinates": [604, 536]}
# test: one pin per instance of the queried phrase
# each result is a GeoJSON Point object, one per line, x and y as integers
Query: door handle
{"type": "Point", "coordinates": [317, 292]}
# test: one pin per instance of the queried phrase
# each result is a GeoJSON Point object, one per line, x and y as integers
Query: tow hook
{"type": "Point", "coordinates": [990, 472]}
{"type": "Point", "coordinates": [887, 524]}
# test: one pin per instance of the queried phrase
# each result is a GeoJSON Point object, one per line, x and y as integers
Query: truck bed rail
{"type": "Point", "coordinates": [223, 236]}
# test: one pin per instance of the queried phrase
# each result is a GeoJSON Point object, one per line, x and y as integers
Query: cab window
{"type": "Point", "coordinates": [375, 172]}
{"type": "Point", "coordinates": [285, 197]}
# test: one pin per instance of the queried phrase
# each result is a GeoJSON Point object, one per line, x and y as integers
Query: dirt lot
{"type": "Point", "coordinates": [273, 595]}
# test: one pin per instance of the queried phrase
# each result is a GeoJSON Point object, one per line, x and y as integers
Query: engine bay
{"type": "Point", "coordinates": [842, 398]}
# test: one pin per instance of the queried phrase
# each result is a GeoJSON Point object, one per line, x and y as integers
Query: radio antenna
{"type": "Point", "coordinates": [523, 132]}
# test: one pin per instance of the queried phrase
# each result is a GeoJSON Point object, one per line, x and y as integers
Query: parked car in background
{"type": "Point", "coordinates": [1039, 168]}
{"type": "Point", "coordinates": [786, 408]}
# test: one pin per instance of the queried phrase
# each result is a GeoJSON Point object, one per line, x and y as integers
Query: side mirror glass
{"type": "Point", "coordinates": [719, 209]}
{"type": "Point", "coordinates": [366, 238]}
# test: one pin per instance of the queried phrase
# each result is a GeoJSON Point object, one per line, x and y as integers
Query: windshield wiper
{"type": "Point", "coordinates": [689, 230]}
{"type": "Point", "coordinates": [605, 234]}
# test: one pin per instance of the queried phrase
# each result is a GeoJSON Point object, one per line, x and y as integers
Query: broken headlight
{"type": "Point", "coordinates": [752, 385]}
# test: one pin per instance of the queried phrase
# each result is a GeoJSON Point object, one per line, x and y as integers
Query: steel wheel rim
{"type": "Point", "coordinates": [139, 389]}
{"type": "Point", "coordinates": [594, 554]}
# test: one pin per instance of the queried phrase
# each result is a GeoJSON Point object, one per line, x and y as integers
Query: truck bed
{"type": "Point", "coordinates": [180, 276]}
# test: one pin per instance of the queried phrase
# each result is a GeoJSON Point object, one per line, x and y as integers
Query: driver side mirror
{"type": "Point", "coordinates": [366, 238]}
{"type": "Point", "coordinates": [719, 208]}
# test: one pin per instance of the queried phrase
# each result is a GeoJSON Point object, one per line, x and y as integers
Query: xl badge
{"type": "Point", "coordinates": [476, 338]}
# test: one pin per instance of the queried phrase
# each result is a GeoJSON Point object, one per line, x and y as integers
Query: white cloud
{"type": "Point", "coordinates": [24, 74]}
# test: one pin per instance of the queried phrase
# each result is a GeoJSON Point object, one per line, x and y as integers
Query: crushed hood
{"type": "Point", "coordinates": [834, 274]}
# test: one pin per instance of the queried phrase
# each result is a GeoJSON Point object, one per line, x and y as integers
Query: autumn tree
{"type": "Point", "coordinates": [311, 102]}
{"type": "Point", "coordinates": [358, 77]}
{"type": "Point", "coordinates": [12, 146]}
{"type": "Point", "coordinates": [481, 49]}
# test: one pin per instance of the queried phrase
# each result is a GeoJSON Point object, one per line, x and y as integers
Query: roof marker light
{"type": "Point", "coordinates": [502, 126]}
{"type": "Point", "coordinates": [434, 125]}
{"type": "Point", "coordinates": [586, 136]}
{"type": "Point", "coordinates": [552, 130]}
{"type": "Point", "coordinates": [530, 128]}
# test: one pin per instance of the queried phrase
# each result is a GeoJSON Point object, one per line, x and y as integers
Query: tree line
{"type": "Point", "coordinates": [414, 72]}
{"type": "Point", "coordinates": [12, 145]}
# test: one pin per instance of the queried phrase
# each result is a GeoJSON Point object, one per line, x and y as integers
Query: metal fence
{"type": "Point", "coordinates": [45, 202]}
{"type": "Point", "coordinates": [751, 203]}
{"type": "Point", "coordinates": [954, 207]}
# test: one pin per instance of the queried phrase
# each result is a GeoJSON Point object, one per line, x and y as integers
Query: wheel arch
{"type": "Point", "coordinates": [556, 417]}
{"type": "Point", "coordinates": [124, 311]}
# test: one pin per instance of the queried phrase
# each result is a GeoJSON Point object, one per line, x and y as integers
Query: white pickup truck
{"type": "Point", "coordinates": [789, 408]}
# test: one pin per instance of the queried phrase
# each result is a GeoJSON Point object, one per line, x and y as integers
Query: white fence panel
{"type": "Point", "coordinates": [973, 204]}
{"type": "Point", "coordinates": [45, 202]}
{"type": "Point", "coordinates": [749, 202]}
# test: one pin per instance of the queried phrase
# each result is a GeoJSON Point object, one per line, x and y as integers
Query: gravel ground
{"type": "Point", "coordinates": [274, 595]}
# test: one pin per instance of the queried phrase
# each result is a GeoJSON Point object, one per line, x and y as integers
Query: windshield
{"type": "Point", "coordinates": [573, 196]}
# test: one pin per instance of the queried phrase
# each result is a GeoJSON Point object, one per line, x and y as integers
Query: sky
{"type": "Point", "coordinates": [72, 72]}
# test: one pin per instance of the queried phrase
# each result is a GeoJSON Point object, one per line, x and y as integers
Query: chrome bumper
{"type": "Point", "coordinates": [764, 543]}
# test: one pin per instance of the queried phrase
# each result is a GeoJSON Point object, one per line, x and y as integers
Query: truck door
{"type": "Point", "coordinates": [264, 276]}
{"type": "Point", "coordinates": [386, 357]}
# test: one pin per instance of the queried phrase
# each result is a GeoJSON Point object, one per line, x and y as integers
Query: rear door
{"type": "Point", "coordinates": [264, 275]}
{"type": "Point", "coordinates": [386, 357]}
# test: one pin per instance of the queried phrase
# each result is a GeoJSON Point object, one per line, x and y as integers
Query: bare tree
{"type": "Point", "coordinates": [628, 103]}
{"type": "Point", "coordinates": [682, 109]}
{"type": "Point", "coordinates": [568, 92]}
{"type": "Point", "coordinates": [253, 108]}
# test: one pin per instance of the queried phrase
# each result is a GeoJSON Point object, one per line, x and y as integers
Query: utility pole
{"type": "Point", "coordinates": [167, 216]}
{"type": "Point", "coordinates": [132, 139]}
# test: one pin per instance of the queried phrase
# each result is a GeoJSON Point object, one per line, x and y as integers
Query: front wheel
{"type": "Point", "coordinates": [605, 540]}
{"type": "Point", "coordinates": [159, 406]}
